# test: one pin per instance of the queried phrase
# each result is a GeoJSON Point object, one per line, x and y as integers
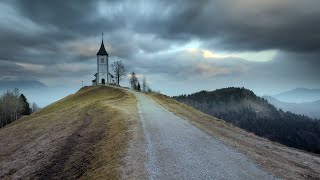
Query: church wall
{"type": "Point", "coordinates": [102, 62]}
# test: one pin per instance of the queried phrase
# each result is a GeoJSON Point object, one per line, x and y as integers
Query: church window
{"type": "Point", "coordinates": [102, 60]}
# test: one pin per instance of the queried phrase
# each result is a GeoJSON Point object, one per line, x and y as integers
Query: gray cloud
{"type": "Point", "coordinates": [59, 39]}
{"type": "Point", "coordinates": [248, 25]}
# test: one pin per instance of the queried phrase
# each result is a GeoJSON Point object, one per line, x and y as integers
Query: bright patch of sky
{"type": "Point", "coordinates": [261, 56]}
{"type": "Point", "coordinates": [258, 56]}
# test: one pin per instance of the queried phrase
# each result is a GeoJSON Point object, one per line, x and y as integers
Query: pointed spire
{"type": "Point", "coordinates": [102, 51]}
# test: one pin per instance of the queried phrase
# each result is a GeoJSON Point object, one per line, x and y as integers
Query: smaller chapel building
{"type": "Point", "coordinates": [103, 76]}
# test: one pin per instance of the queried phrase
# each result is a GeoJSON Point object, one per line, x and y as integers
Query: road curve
{"type": "Point", "coordinates": [178, 150]}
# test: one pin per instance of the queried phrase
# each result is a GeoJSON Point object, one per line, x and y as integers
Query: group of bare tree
{"type": "Point", "coordinates": [135, 84]}
{"type": "Point", "coordinates": [120, 72]}
{"type": "Point", "coordinates": [13, 105]}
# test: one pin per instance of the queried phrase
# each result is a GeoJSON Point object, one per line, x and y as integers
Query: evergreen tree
{"type": "Point", "coordinates": [138, 87]}
{"type": "Point", "coordinates": [26, 110]}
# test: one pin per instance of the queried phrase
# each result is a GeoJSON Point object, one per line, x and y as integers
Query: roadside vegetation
{"type": "Point", "coordinates": [135, 83]}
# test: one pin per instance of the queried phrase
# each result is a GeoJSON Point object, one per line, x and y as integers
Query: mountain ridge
{"type": "Point", "coordinates": [298, 95]}
{"type": "Point", "coordinates": [21, 84]}
{"type": "Point", "coordinates": [244, 109]}
{"type": "Point", "coordinates": [311, 109]}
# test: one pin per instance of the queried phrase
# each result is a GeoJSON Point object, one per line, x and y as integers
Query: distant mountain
{"type": "Point", "coordinates": [244, 109]}
{"type": "Point", "coordinates": [27, 84]}
{"type": "Point", "coordinates": [37, 92]}
{"type": "Point", "coordinates": [311, 109]}
{"type": "Point", "coordinates": [299, 95]}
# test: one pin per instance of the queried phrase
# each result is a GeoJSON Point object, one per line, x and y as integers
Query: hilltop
{"type": "Point", "coordinates": [84, 135]}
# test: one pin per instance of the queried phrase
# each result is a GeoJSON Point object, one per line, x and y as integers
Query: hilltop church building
{"type": "Point", "coordinates": [103, 76]}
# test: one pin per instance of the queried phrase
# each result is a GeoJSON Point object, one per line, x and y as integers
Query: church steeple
{"type": "Point", "coordinates": [102, 51]}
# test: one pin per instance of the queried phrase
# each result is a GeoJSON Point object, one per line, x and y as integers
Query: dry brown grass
{"type": "Point", "coordinates": [281, 161]}
{"type": "Point", "coordinates": [85, 135]}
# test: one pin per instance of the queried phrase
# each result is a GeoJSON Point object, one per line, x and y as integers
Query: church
{"type": "Point", "coordinates": [103, 76]}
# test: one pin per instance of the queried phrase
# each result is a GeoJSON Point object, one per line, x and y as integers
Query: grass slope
{"type": "Point", "coordinates": [282, 161]}
{"type": "Point", "coordinates": [84, 135]}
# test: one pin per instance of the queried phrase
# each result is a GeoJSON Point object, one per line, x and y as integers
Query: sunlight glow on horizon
{"type": "Point", "coordinates": [261, 56]}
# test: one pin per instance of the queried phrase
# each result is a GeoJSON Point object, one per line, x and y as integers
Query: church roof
{"type": "Point", "coordinates": [102, 51]}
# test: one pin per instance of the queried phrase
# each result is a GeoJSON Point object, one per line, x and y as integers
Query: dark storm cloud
{"type": "Point", "coordinates": [220, 24]}
{"type": "Point", "coordinates": [291, 25]}
{"type": "Point", "coordinates": [38, 29]}
{"type": "Point", "coordinates": [60, 38]}
{"type": "Point", "coordinates": [299, 66]}
{"type": "Point", "coordinates": [70, 18]}
{"type": "Point", "coordinates": [9, 70]}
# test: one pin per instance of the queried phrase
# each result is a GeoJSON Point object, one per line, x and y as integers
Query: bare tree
{"type": "Point", "coordinates": [34, 107]}
{"type": "Point", "coordinates": [133, 81]}
{"type": "Point", "coordinates": [144, 84]}
{"type": "Point", "coordinates": [10, 107]}
{"type": "Point", "coordinates": [119, 70]}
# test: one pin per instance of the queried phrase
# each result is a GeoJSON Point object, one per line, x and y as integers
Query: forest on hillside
{"type": "Point", "coordinates": [244, 109]}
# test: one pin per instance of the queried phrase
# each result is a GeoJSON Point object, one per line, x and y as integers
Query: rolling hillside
{"type": "Point", "coordinates": [84, 135]}
{"type": "Point", "coordinates": [106, 132]}
{"type": "Point", "coordinates": [244, 109]}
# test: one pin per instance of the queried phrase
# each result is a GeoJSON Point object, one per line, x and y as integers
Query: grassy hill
{"type": "Point", "coordinates": [96, 134]}
{"type": "Point", "coordinates": [85, 135]}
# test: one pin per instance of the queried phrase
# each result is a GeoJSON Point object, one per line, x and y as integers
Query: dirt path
{"type": "Point", "coordinates": [178, 150]}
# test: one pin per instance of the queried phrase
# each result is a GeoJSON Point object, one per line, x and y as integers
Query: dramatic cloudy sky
{"type": "Point", "coordinates": [181, 46]}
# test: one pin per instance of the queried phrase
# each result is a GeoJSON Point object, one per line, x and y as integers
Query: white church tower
{"type": "Point", "coordinates": [102, 76]}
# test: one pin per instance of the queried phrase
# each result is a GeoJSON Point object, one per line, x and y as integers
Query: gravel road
{"type": "Point", "coordinates": [178, 150]}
